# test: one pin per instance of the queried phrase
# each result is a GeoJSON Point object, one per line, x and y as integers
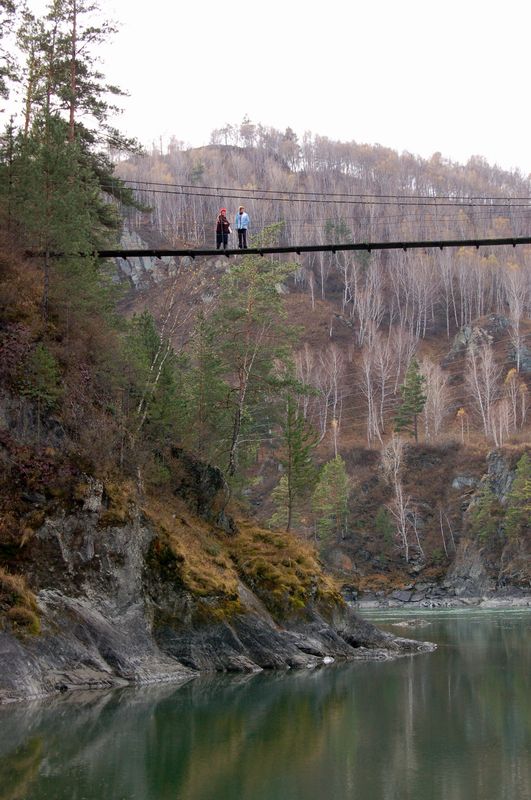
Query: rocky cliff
{"type": "Point", "coordinates": [113, 603]}
{"type": "Point", "coordinates": [484, 564]}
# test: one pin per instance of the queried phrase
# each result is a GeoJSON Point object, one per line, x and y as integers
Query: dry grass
{"type": "Point", "coordinates": [18, 604]}
{"type": "Point", "coordinates": [120, 496]}
{"type": "Point", "coordinates": [378, 582]}
{"type": "Point", "coordinates": [188, 551]}
{"type": "Point", "coordinates": [281, 569]}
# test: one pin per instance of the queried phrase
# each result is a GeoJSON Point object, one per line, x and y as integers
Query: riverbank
{"type": "Point", "coordinates": [132, 603]}
{"type": "Point", "coordinates": [80, 649]}
{"type": "Point", "coordinates": [405, 600]}
{"type": "Point", "coordinates": [458, 722]}
{"type": "Point", "coordinates": [111, 587]}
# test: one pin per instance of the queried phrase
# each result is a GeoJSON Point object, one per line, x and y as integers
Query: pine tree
{"type": "Point", "coordinates": [518, 514]}
{"type": "Point", "coordinates": [207, 393]}
{"type": "Point", "coordinates": [34, 45]}
{"type": "Point", "coordinates": [56, 200]}
{"type": "Point", "coordinates": [337, 232]}
{"type": "Point", "coordinates": [53, 171]}
{"type": "Point", "coordinates": [484, 514]}
{"type": "Point", "coordinates": [7, 13]}
{"type": "Point", "coordinates": [56, 196]}
{"type": "Point", "coordinates": [61, 74]}
{"type": "Point", "coordinates": [61, 80]}
{"type": "Point", "coordinates": [280, 498]}
{"type": "Point", "coordinates": [383, 524]}
{"type": "Point", "coordinates": [41, 377]}
{"type": "Point", "coordinates": [157, 398]}
{"type": "Point", "coordinates": [330, 499]}
{"type": "Point", "coordinates": [252, 337]}
{"type": "Point", "coordinates": [299, 441]}
{"type": "Point", "coordinates": [413, 400]}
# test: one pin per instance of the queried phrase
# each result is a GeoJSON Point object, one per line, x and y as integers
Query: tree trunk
{"type": "Point", "coordinates": [46, 286]}
{"type": "Point", "coordinates": [71, 122]}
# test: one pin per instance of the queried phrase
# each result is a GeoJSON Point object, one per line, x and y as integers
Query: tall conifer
{"type": "Point", "coordinates": [299, 441]}
{"type": "Point", "coordinates": [330, 499]}
{"type": "Point", "coordinates": [413, 400]}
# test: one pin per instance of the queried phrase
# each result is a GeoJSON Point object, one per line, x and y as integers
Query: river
{"type": "Point", "coordinates": [450, 725]}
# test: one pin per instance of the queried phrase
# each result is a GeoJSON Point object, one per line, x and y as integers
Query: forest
{"type": "Point", "coordinates": [391, 348]}
{"type": "Point", "coordinates": [240, 490]}
{"type": "Point", "coordinates": [318, 386]}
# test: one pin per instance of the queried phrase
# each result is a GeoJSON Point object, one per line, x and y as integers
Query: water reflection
{"type": "Point", "coordinates": [453, 725]}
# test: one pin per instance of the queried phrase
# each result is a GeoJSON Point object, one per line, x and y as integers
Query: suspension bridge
{"type": "Point", "coordinates": [367, 247]}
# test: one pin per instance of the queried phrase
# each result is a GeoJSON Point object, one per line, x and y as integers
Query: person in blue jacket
{"type": "Point", "coordinates": [241, 224]}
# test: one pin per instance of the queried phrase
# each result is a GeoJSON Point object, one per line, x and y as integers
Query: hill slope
{"type": "Point", "coordinates": [463, 314]}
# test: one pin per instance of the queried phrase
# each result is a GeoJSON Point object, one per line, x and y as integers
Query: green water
{"type": "Point", "coordinates": [452, 725]}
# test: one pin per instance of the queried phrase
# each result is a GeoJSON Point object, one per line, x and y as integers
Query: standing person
{"type": "Point", "coordinates": [222, 229]}
{"type": "Point", "coordinates": [241, 224]}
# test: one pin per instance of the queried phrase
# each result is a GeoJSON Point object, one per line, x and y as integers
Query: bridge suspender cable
{"type": "Point", "coordinates": [299, 249]}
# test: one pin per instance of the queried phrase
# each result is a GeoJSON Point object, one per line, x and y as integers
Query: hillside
{"type": "Point", "coordinates": [462, 314]}
{"type": "Point", "coordinates": [184, 444]}
{"type": "Point", "coordinates": [112, 572]}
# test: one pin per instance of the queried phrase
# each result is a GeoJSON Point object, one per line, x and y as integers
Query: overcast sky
{"type": "Point", "coordinates": [411, 74]}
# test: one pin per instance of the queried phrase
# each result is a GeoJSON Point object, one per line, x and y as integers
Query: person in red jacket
{"type": "Point", "coordinates": [222, 229]}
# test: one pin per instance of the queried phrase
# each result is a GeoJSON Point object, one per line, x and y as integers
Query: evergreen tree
{"type": "Point", "coordinates": [41, 377]}
{"type": "Point", "coordinates": [518, 514]}
{"type": "Point", "coordinates": [53, 171]}
{"type": "Point", "coordinates": [41, 381]}
{"type": "Point", "coordinates": [299, 441]}
{"type": "Point", "coordinates": [55, 195]}
{"type": "Point", "coordinates": [158, 402]}
{"type": "Point", "coordinates": [252, 337]}
{"type": "Point", "coordinates": [280, 498]}
{"type": "Point", "coordinates": [413, 400]}
{"type": "Point", "coordinates": [34, 45]}
{"type": "Point", "coordinates": [383, 524]}
{"type": "Point", "coordinates": [60, 79]}
{"type": "Point", "coordinates": [56, 201]}
{"type": "Point", "coordinates": [61, 74]}
{"type": "Point", "coordinates": [330, 499]}
{"type": "Point", "coordinates": [7, 15]}
{"type": "Point", "coordinates": [208, 393]}
{"type": "Point", "coordinates": [484, 514]}
{"type": "Point", "coordinates": [337, 232]}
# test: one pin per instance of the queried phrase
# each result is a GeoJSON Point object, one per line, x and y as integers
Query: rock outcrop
{"type": "Point", "coordinates": [110, 614]}
{"type": "Point", "coordinates": [468, 576]}
{"type": "Point", "coordinates": [491, 568]}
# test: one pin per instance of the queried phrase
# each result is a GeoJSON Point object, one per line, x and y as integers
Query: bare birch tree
{"type": "Point", "coordinates": [517, 288]}
{"type": "Point", "coordinates": [171, 319]}
{"type": "Point", "coordinates": [305, 373]}
{"type": "Point", "coordinates": [369, 390]}
{"type": "Point", "coordinates": [482, 379]}
{"type": "Point", "coordinates": [500, 421]}
{"type": "Point", "coordinates": [437, 398]}
{"type": "Point", "coordinates": [328, 381]}
{"type": "Point", "coordinates": [383, 357]}
{"type": "Point", "coordinates": [399, 507]}
{"type": "Point", "coordinates": [513, 388]}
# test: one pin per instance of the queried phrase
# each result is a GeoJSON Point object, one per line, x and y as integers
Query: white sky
{"type": "Point", "coordinates": [413, 75]}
